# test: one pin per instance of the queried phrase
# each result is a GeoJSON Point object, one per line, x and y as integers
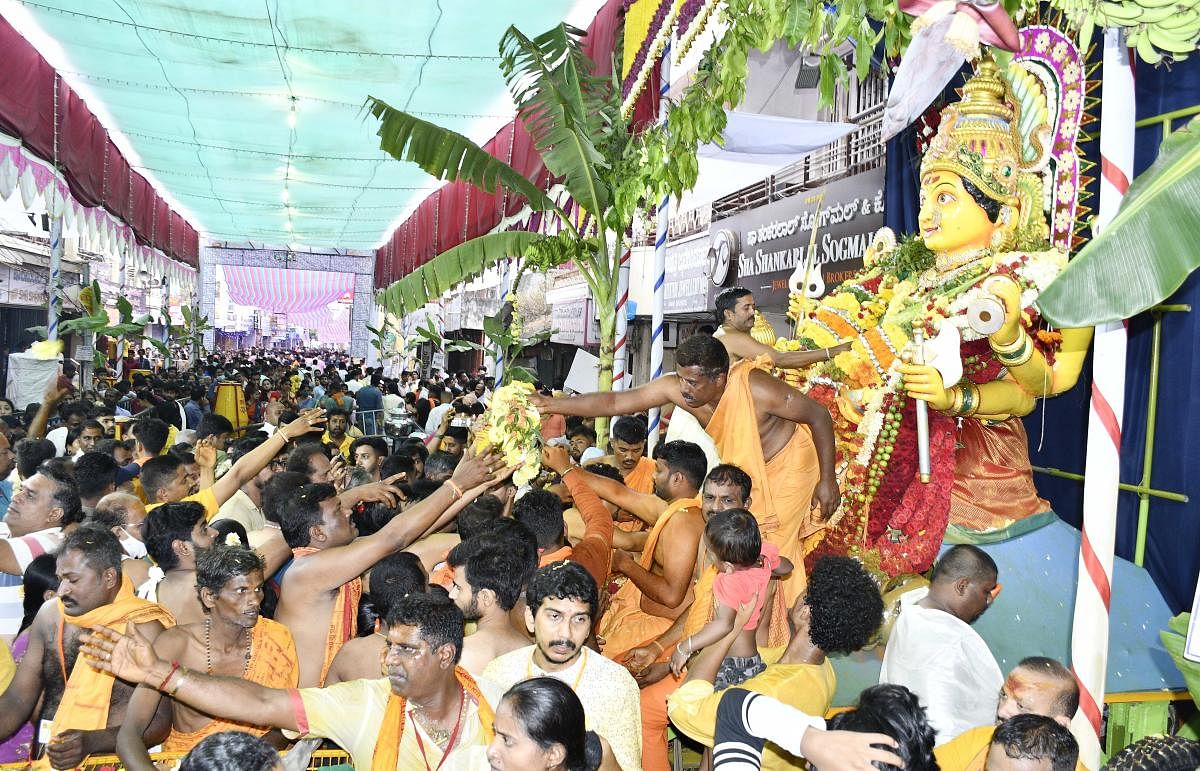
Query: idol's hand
{"type": "Point", "coordinates": [924, 382]}
{"type": "Point", "coordinates": [1006, 291]}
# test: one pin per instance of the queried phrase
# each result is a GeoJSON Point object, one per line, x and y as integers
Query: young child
{"type": "Point", "coordinates": [744, 568]}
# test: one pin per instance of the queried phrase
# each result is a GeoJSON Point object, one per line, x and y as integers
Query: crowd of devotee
{"type": "Point", "coordinates": [350, 571]}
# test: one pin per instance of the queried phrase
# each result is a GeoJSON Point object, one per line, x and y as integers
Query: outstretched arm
{"type": "Point", "coordinates": [132, 658]}
{"type": "Point", "coordinates": [257, 459]}
{"type": "Point", "coordinates": [656, 393]}
{"type": "Point", "coordinates": [644, 506]}
{"type": "Point", "coordinates": [744, 346]}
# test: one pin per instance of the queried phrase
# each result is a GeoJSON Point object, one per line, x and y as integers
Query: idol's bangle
{"type": "Point", "coordinates": [956, 402]}
{"type": "Point", "coordinates": [970, 400]}
{"type": "Point", "coordinates": [1011, 348]}
{"type": "Point", "coordinates": [1018, 357]}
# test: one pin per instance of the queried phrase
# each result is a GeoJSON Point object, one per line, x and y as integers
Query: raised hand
{"type": "Point", "coordinates": [475, 469]}
{"type": "Point", "coordinates": [205, 453]}
{"type": "Point", "coordinates": [556, 457]}
{"type": "Point", "coordinates": [310, 420]}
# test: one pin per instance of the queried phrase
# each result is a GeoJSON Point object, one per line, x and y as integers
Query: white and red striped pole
{"type": "Point", "coordinates": [1093, 595]}
{"type": "Point", "coordinates": [621, 330]}
{"type": "Point", "coordinates": [660, 259]}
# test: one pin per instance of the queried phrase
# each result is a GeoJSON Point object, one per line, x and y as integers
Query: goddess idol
{"type": "Point", "coordinates": [966, 284]}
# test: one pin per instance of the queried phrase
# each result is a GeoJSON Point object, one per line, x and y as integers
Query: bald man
{"type": "Point", "coordinates": [1036, 686]}
{"type": "Point", "coordinates": [125, 515]}
{"type": "Point", "coordinates": [934, 652]}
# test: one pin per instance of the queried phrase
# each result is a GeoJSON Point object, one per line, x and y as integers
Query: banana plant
{"type": "Point", "coordinates": [189, 334]}
{"type": "Point", "coordinates": [575, 121]}
{"type": "Point", "coordinates": [95, 319]}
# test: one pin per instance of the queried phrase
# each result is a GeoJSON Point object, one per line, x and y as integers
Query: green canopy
{"type": "Point", "coordinates": [249, 113]}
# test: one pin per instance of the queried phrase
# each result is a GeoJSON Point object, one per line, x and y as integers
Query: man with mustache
{"type": "Point", "coordinates": [425, 712]}
{"type": "Point", "coordinates": [561, 604]}
{"type": "Point", "coordinates": [233, 640]}
{"type": "Point", "coordinates": [81, 709]}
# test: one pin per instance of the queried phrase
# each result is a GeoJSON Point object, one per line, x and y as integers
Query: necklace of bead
{"type": "Point", "coordinates": [208, 646]}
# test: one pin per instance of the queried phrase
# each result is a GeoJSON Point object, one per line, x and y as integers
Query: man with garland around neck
{"type": "Point", "coordinates": [426, 713]}
{"type": "Point", "coordinates": [561, 604]}
{"type": "Point", "coordinates": [233, 640]}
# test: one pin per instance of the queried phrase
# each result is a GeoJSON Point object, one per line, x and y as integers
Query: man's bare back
{"type": "Point", "coordinates": [359, 659]}
{"type": "Point", "coordinates": [177, 593]}
{"type": "Point", "coordinates": [684, 527]}
{"type": "Point", "coordinates": [307, 616]}
{"type": "Point", "coordinates": [486, 644]}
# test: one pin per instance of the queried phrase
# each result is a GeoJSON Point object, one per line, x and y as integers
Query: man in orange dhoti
{"type": "Point", "coordinates": [790, 457]}
{"type": "Point", "coordinates": [86, 707]}
{"type": "Point", "coordinates": [725, 487]}
{"type": "Point", "coordinates": [658, 589]}
{"type": "Point", "coordinates": [232, 640]}
{"type": "Point", "coordinates": [628, 445]}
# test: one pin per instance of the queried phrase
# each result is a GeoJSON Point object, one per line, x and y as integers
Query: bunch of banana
{"type": "Point", "coordinates": [1153, 27]}
{"type": "Point", "coordinates": [799, 306]}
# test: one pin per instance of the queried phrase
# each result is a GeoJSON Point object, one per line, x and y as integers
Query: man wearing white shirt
{"type": "Point", "coordinates": [934, 652]}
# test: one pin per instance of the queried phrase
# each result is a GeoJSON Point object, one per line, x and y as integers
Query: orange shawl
{"type": "Point", "coordinates": [391, 730]}
{"type": "Point", "coordinates": [343, 621]}
{"type": "Point", "coordinates": [88, 693]}
{"type": "Point", "coordinates": [783, 486]}
{"type": "Point", "coordinates": [273, 664]}
{"type": "Point", "coordinates": [640, 480]}
{"type": "Point", "coordinates": [625, 625]}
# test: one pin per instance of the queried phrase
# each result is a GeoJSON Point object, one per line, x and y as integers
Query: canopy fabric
{"type": "Point", "coordinates": [285, 290]}
{"type": "Point", "coordinates": [331, 323]}
{"type": "Point", "coordinates": [250, 115]}
{"type": "Point", "coordinates": [54, 125]}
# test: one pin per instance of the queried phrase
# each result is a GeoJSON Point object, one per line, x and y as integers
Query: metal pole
{"type": "Point", "coordinates": [660, 257]}
{"type": "Point", "coordinates": [1123, 486]}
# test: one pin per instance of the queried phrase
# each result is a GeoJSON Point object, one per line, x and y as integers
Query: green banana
{"type": "Point", "coordinates": [1123, 14]}
{"type": "Point", "coordinates": [1166, 41]}
{"type": "Point", "coordinates": [1145, 49]}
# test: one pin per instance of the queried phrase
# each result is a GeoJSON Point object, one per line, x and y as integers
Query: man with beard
{"type": "Point", "coordinates": [404, 721]}
{"type": "Point", "coordinates": [233, 640]}
{"type": "Point", "coordinates": [935, 653]}
{"type": "Point", "coordinates": [175, 534]}
{"type": "Point", "coordinates": [560, 608]}
{"type": "Point", "coordinates": [659, 587]}
{"type": "Point", "coordinates": [488, 578]}
{"type": "Point", "coordinates": [82, 707]}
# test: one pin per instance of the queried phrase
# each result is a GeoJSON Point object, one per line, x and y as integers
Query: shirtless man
{"type": "Point", "coordinates": [488, 579]}
{"type": "Point", "coordinates": [232, 641]}
{"type": "Point", "coordinates": [175, 532]}
{"type": "Point", "coordinates": [91, 592]}
{"type": "Point", "coordinates": [392, 579]}
{"type": "Point", "coordinates": [659, 583]}
{"type": "Point", "coordinates": [790, 460]}
{"type": "Point", "coordinates": [735, 315]}
{"type": "Point", "coordinates": [325, 577]}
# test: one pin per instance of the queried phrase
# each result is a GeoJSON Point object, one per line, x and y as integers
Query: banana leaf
{"type": "Point", "coordinates": [457, 265]}
{"type": "Point", "coordinates": [1145, 253]}
{"type": "Point", "coordinates": [1173, 639]}
{"type": "Point", "coordinates": [562, 106]}
{"type": "Point", "coordinates": [448, 155]}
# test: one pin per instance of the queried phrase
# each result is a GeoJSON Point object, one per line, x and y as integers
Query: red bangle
{"type": "Point", "coordinates": [167, 679]}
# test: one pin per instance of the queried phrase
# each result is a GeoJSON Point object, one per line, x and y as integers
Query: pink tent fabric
{"type": "Point", "coordinates": [281, 290]}
{"type": "Point", "coordinates": [332, 324]}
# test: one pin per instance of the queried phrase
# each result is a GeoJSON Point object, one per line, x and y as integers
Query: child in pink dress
{"type": "Point", "coordinates": [745, 566]}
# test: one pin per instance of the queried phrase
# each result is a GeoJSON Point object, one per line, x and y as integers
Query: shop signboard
{"type": "Point", "coordinates": [28, 286]}
{"type": "Point", "coordinates": [574, 323]}
{"type": "Point", "coordinates": [686, 287]}
{"type": "Point", "coordinates": [764, 249]}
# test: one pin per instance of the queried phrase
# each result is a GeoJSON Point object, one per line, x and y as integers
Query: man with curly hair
{"type": "Point", "coordinates": [839, 612]}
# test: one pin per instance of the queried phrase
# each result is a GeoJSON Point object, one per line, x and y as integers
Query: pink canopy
{"type": "Point", "coordinates": [281, 290]}
{"type": "Point", "coordinates": [332, 324]}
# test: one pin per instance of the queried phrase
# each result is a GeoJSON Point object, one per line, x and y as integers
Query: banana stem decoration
{"type": "Point", "coordinates": [923, 464]}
